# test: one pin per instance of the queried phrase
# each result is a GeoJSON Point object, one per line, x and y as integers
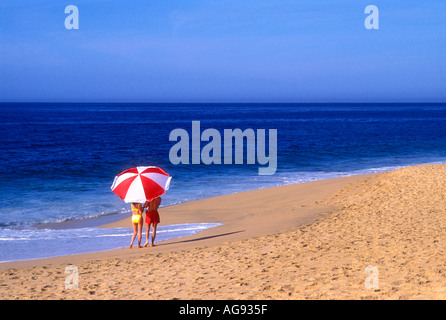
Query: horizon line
{"type": "Point", "coordinates": [231, 102]}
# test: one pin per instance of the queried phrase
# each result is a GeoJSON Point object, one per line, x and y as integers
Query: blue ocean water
{"type": "Point", "coordinates": [34, 243]}
{"type": "Point", "coordinates": [58, 161]}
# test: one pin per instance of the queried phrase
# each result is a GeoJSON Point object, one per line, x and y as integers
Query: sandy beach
{"type": "Point", "coordinates": [313, 240]}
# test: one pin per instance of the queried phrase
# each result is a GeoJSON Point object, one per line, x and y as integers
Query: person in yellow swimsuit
{"type": "Point", "coordinates": [137, 223]}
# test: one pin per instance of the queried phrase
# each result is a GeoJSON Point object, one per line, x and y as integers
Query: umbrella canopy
{"type": "Point", "coordinates": [141, 184]}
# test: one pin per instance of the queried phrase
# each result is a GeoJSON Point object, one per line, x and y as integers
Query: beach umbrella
{"type": "Point", "coordinates": [141, 184]}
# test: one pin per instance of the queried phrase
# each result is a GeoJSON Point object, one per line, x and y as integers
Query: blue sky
{"type": "Point", "coordinates": [223, 51]}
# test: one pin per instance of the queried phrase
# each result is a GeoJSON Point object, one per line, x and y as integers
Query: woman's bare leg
{"type": "Point", "coordinates": [135, 232]}
{"type": "Point", "coordinates": [140, 224]}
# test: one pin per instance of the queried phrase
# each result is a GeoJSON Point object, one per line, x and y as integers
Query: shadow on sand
{"type": "Point", "coordinates": [203, 238]}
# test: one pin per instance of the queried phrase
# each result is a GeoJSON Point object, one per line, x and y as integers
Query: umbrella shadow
{"type": "Point", "coordinates": [205, 238]}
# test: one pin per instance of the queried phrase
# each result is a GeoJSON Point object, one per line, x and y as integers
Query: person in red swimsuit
{"type": "Point", "coordinates": [152, 218]}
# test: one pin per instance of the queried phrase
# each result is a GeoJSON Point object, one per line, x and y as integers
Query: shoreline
{"type": "Point", "coordinates": [208, 210]}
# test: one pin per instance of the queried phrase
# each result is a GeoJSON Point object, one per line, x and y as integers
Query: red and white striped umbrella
{"type": "Point", "coordinates": [141, 184]}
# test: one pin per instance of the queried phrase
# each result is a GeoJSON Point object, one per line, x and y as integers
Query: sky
{"type": "Point", "coordinates": [223, 51]}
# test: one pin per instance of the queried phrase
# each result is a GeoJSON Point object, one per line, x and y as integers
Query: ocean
{"type": "Point", "coordinates": [58, 160]}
